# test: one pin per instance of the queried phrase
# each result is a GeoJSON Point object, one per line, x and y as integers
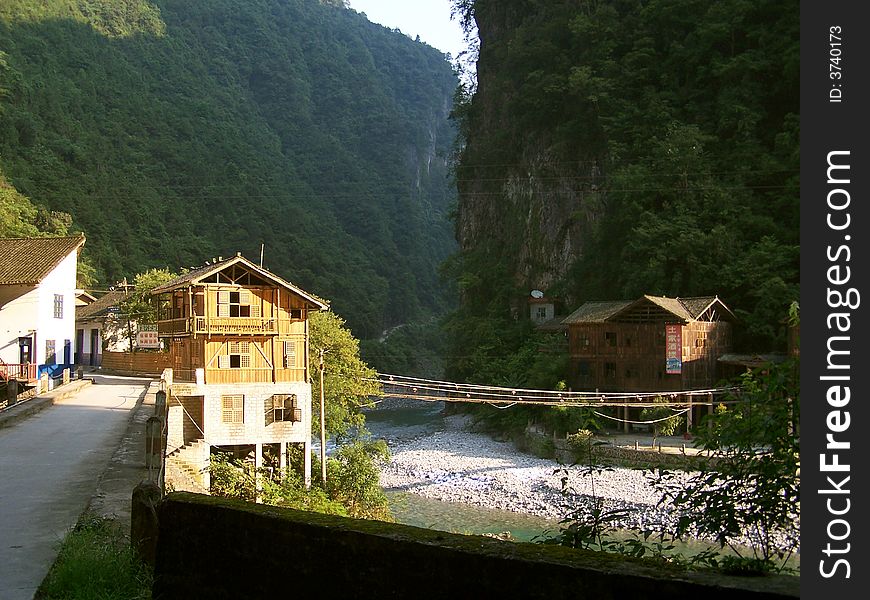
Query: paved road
{"type": "Point", "coordinates": [49, 467]}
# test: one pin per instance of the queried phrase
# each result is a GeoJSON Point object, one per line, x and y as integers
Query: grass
{"type": "Point", "coordinates": [96, 562]}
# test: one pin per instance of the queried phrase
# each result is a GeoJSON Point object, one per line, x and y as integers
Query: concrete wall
{"type": "Point", "coordinates": [216, 548]}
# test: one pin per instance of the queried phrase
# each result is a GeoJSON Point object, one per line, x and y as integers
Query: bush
{"type": "Point", "coordinates": [662, 418]}
{"type": "Point", "coordinates": [581, 444]}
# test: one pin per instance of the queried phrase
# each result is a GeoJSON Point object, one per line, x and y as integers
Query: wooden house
{"type": "Point", "coordinates": [650, 344]}
{"type": "Point", "coordinates": [237, 337]}
{"type": "Point", "coordinates": [37, 305]}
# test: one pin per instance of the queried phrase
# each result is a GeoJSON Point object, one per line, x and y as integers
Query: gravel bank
{"type": "Point", "coordinates": [455, 465]}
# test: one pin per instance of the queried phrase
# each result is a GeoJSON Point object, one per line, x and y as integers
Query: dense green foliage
{"type": "Point", "coordinates": [751, 482]}
{"type": "Point", "coordinates": [662, 135]}
{"type": "Point", "coordinates": [352, 486]}
{"type": "Point", "coordinates": [175, 131]}
{"type": "Point", "coordinates": [96, 561]}
{"type": "Point", "coordinates": [743, 491]}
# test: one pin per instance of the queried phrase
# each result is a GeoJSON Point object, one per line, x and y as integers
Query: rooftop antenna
{"type": "Point", "coordinates": [262, 246]}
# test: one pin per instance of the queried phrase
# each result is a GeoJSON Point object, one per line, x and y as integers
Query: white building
{"type": "Point", "coordinates": [100, 325]}
{"type": "Point", "coordinates": [37, 304]}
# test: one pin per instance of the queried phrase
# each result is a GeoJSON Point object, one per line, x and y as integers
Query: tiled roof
{"type": "Point", "coordinates": [687, 309]}
{"type": "Point", "coordinates": [28, 260]}
{"type": "Point", "coordinates": [100, 307]}
{"type": "Point", "coordinates": [696, 306]}
{"type": "Point", "coordinates": [596, 311]}
{"type": "Point", "coordinates": [194, 276]}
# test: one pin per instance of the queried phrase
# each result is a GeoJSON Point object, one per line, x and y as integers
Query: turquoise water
{"type": "Point", "coordinates": [456, 517]}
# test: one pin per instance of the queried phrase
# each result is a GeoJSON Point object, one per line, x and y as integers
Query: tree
{"type": "Point", "coordinates": [139, 307]}
{"type": "Point", "coordinates": [349, 382]}
{"type": "Point", "coordinates": [748, 491]}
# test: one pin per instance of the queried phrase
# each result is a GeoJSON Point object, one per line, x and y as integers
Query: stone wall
{"type": "Point", "coordinates": [217, 548]}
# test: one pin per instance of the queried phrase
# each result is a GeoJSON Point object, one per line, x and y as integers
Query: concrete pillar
{"type": "Point", "coordinates": [66, 376]}
{"type": "Point", "coordinates": [282, 462]}
{"type": "Point", "coordinates": [689, 416]}
{"type": "Point", "coordinates": [258, 464]}
{"type": "Point", "coordinates": [710, 411]}
{"type": "Point", "coordinates": [160, 404]}
{"type": "Point", "coordinates": [143, 521]}
{"type": "Point", "coordinates": [80, 373]}
{"type": "Point", "coordinates": [200, 376]}
{"type": "Point", "coordinates": [153, 444]}
{"type": "Point", "coordinates": [625, 425]}
{"type": "Point", "coordinates": [11, 392]}
{"type": "Point", "coordinates": [43, 384]}
{"type": "Point", "coordinates": [306, 449]}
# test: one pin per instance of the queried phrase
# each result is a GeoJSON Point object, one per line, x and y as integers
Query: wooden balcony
{"type": "Point", "coordinates": [219, 326]}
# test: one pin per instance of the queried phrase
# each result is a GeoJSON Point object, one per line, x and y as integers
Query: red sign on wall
{"type": "Point", "coordinates": [673, 349]}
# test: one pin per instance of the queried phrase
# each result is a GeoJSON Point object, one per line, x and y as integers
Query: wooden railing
{"type": "Point", "coordinates": [235, 325]}
{"type": "Point", "coordinates": [24, 371]}
{"type": "Point", "coordinates": [219, 325]}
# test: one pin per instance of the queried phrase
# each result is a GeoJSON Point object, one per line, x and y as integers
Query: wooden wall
{"type": "Point", "coordinates": [137, 362]}
{"type": "Point", "coordinates": [630, 357]}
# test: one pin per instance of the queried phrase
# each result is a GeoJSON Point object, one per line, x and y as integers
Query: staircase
{"type": "Point", "coordinates": [187, 468]}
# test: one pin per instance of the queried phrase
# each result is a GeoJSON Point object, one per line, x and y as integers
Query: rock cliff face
{"type": "Point", "coordinates": [525, 196]}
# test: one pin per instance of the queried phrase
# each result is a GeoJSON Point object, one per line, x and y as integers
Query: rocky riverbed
{"type": "Point", "coordinates": [454, 464]}
{"type": "Point", "coordinates": [457, 465]}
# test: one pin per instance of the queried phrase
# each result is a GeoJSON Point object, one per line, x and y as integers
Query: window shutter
{"type": "Point", "coordinates": [244, 297]}
{"type": "Point", "coordinates": [269, 406]}
{"type": "Point", "coordinates": [255, 311]}
{"type": "Point", "coordinates": [245, 361]}
{"type": "Point", "coordinates": [223, 310]}
{"type": "Point", "coordinates": [223, 297]}
{"type": "Point", "coordinates": [223, 361]}
{"type": "Point", "coordinates": [289, 355]}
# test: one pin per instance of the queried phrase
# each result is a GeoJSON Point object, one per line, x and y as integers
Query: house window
{"type": "Point", "coordinates": [238, 356]}
{"type": "Point", "coordinates": [237, 304]}
{"type": "Point", "coordinates": [233, 409]}
{"type": "Point", "coordinates": [610, 338]}
{"type": "Point", "coordinates": [283, 408]}
{"type": "Point", "coordinates": [58, 306]}
{"type": "Point", "coordinates": [610, 370]}
{"type": "Point", "coordinates": [583, 339]}
{"type": "Point", "coordinates": [50, 353]}
{"type": "Point", "coordinates": [542, 313]}
{"type": "Point", "coordinates": [289, 355]}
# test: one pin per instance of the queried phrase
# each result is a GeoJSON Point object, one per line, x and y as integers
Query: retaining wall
{"type": "Point", "coordinates": [217, 548]}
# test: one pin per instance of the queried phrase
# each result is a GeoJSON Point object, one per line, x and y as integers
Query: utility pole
{"type": "Point", "coordinates": [322, 424]}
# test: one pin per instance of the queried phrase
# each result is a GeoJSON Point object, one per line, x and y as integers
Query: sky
{"type": "Point", "coordinates": [430, 19]}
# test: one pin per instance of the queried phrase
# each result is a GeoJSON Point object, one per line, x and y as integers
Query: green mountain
{"type": "Point", "coordinates": [623, 147]}
{"type": "Point", "coordinates": [175, 131]}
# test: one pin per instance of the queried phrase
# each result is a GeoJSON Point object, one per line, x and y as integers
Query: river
{"type": "Point", "coordinates": [403, 423]}
{"type": "Point", "coordinates": [400, 421]}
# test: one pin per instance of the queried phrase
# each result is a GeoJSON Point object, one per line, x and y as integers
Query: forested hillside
{"type": "Point", "coordinates": [620, 147]}
{"type": "Point", "coordinates": [175, 131]}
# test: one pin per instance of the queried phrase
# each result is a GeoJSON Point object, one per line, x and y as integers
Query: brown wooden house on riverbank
{"type": "Point", "coordinates": [653, 343]}
{"type": "Point", "coordinates": [237, 337]}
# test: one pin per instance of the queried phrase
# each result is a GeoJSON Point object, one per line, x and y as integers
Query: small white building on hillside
{"type": "Point", "coordinates": [37, 304]}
